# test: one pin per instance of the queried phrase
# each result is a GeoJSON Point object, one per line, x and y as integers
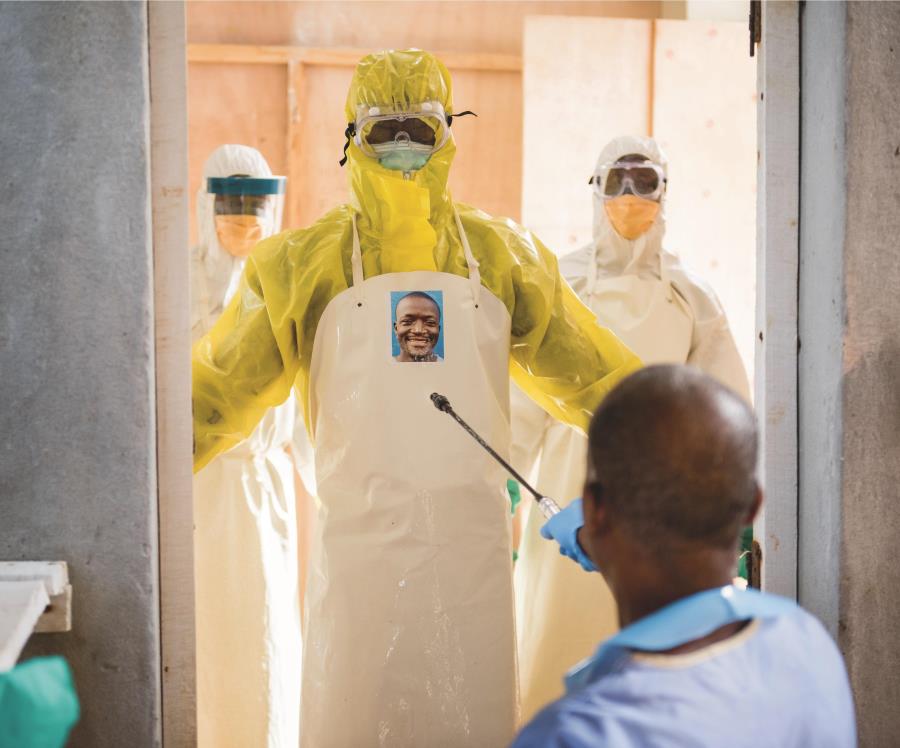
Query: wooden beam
{"type": "Point", "coordinates": [777, 267]}
{"type": "Point", "coordinates": [239, 53]}
{"type": "Point", "coordinates": [249, 54]}
{"type": "Point", "coordinates": [172, 290]}
{"type": "Point", "coordinates": [651, 79]}
{"type": "Point", "coordinates": [296, 109]}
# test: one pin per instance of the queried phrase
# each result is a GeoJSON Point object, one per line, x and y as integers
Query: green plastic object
{"type": "Point", "coordinates": [744, 558]}
{"type": "Point", "coordinates": [515, 494]}
{"type": "Point", "coordinates": [38, 704]}
{"type": "Point", "coordinates": [515, 497]}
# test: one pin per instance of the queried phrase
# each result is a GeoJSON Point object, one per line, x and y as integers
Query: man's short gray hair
{"type": "Point", "coordinates": [673, 454]}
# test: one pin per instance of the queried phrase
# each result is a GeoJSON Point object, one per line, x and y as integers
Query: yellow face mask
{"type": "Point", "coordinates": [631, 216]}
{"type": "Point", "coordinates": [238, 235]}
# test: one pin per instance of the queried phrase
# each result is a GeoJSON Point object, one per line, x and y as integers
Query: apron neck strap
{"type": "Point", "coordinates": [474, 272]}
{"type": "Point", "coordinates": [356, 257]}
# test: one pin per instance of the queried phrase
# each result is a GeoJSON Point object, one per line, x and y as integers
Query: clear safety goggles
{"type": "Point", "coordinates": [640, 178]}
{"type": "Point", "coordinates": [423, 128]}
{"type": "Point", "coordinates": [240, 195]}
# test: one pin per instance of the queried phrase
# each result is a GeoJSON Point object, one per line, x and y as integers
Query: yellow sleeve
{"type": "Point", "coordinates": [239, 371]}
{"type": "Point", "coordinates": [562, 358]}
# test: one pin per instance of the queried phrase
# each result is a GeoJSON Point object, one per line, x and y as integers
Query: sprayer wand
{"type": "Point", "coordinates": [547, 505]}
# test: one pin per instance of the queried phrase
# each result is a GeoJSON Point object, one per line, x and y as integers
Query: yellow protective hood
{"type": "Point", "coordinates": [400, 220]}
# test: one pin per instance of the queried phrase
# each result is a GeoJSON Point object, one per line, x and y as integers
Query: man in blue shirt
{"type": "Point", "coordinates": [670, 483]}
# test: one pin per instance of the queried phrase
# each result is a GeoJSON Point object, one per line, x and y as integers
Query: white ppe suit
{"type": "Point", "coordinates": [665, 314]}
{"type": "Point", "coordinates": [245, 535]}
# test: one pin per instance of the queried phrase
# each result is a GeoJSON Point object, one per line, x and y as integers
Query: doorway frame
{"type": "Point", "coordinates": [167, 56]}
{"type": "Point", "coordinates": [776, 529]}
{"type": "Point", "coordinates": [777, 263]}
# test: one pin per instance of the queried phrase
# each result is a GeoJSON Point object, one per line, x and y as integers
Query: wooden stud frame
{"type": "Point", "coordinates": [298, 59]}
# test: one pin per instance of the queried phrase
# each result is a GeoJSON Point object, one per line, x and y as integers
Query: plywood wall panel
{"type": "Point", "coordinates": [487, 172]}
{"type": "Point", "coordinates": [574, 104]}
{"type": "Point", "coordinates": [457, 26]}
{"type": "Point", "coordinates": [324, 184]}
{"type": "Point", "coordinates": [240, 103]}
{"type": "Point", "coordinates": [233, 103]}
{"type": "Point", "coordinates": [705, 120]}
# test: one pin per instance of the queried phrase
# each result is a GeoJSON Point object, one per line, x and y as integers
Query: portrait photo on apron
{"type": "Point", "coordinates": [417, 326]}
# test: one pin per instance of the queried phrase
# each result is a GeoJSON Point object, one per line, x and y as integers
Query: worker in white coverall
{"type": "Point", "coordinates": [665, 314]}
{"type": "Point", "coordinates": [410, 637]}
{"type": "Point", "coordinates": [245, 531]}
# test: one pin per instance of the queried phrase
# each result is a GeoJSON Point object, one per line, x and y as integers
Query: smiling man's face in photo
{"type": "Point", "coordinates": [418, 327]}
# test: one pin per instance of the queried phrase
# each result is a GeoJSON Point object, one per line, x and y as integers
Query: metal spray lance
{"type": "Point", "coordinates": [547, 505]}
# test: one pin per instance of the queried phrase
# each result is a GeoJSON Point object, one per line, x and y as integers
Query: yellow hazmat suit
{"type": "Point", "coordinates": [263, 343]}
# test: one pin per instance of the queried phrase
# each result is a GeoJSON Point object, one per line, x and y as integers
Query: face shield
{"type": "Point", "coordinates": [247, 210]}
{"type": "Point", "coordinates": [402, 139]}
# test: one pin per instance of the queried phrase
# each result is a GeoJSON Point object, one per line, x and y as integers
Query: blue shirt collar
{"type": "Point", "coordinates": [685, 620]}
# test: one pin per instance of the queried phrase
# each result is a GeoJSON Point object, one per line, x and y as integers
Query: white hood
{"type": "Point", "coordinates": [215, 271]}
{"type": "Point", "coordinates": [610, 255]}
{"type": "Point", "coordinates": [616, 255]}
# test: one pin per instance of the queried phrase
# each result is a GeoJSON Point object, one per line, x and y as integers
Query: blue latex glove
{"type": "Point", "coordinates": [563, 528]}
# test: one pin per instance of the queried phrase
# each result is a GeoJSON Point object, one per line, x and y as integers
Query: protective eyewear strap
{"type": "Point", "coordinates": [451, 117]}
{"type": "Point", "coordinates": [348, 133]}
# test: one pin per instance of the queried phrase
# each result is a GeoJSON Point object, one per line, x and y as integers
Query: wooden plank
{"type": "Point", "coordinates": [335, 57]}
{"type": "Point", "coordinates": [483, 26]}
{"type": "Point", "coordinates": [651, 81]}
{"type": "Point", "coordinates": [295, 153]}
{"type": "Point", "coordinates": [487, 170]}
{"type": "Point", "coordinates": [574, 104]}
{"type": "Point", "coordinates": [57, 616]}
{"type": "Point", "coordinates": [320, 184]}
{"type": "Point", "coordinates": [479, 61]}
{"type": "Point", "coordinates": [711, 146]}
{"type": "Point", "coordinates": [239, 54]}
{"type": "Point", "coordinates": [777, 242]}
{"type": "Point", "coordinates": [171, 284]}
{"type": "Point", "coordinates": [21, 605]}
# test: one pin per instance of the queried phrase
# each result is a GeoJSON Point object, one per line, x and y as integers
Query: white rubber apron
{"type": "Point", "coordinates": [561, 612]}
{"type": "Point", "coordinates": [647, 314]}
{"type": "Point", "coordinates": [411, 639]}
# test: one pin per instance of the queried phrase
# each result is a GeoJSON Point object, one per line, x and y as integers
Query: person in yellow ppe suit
{"type": "Point", "coordinates": [409, 636]}
{"type": "Point", "coordinates": [665, 314]}
{"type": "Point", "coordinates": [245, 537]}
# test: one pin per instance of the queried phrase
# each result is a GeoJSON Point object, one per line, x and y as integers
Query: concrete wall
{"type": "Point", "coordinates": [851, 346]}
{"type": "Point", "coordinates": [77, 431]}
{"type": "Point", "coordinates": [869, 630]}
